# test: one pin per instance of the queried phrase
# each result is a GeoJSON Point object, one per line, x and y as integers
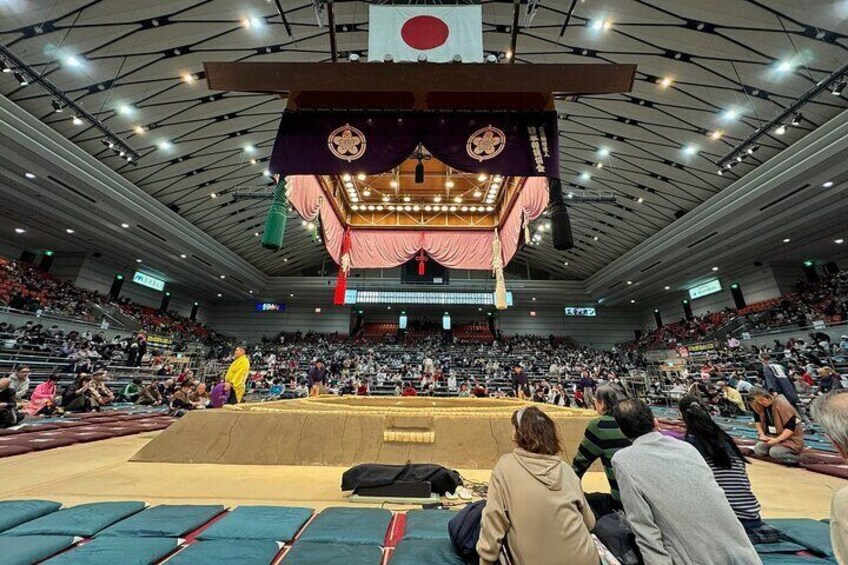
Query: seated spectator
{"type": "Point", "coordinates": [102, 393]}
{"type": "Point", "coordinates": [675, 508]}
{"type": "Point", "coordinates": [779, 428]}
{"type": "Point", "coordinates": [133, 390]}
{"type": "Point", "coordinates": [220, 394]}
{"type": "Point", "coordinates": [602, 439]}
{"type": "Point", "coordinates": [829, 380]}
{"type": "Point", "coordinates": [831, 412]}
{"type": "Point", "coordinates": [43, 401]}
{"type": "Point", "coordinates": [536, 511]}
{"type": "Point", "coordinates": [728, 466]}
{"type": "Point", "coordinates": [79, 396]}
{"type": "Point", "coordinates": [409, 390]}
{"type": "Point", "coordinates": [20, 382]}
{"type": "Point", "coordinates": [180, 402]}
{"type": "Point", "coordinates": [149, 395]}
{"type": "Point", "coordinates": [199, 397]}
{"type": "Point", "coordinates": [729, 400]}
{"type": "Point", "coordinates": [9, 414]}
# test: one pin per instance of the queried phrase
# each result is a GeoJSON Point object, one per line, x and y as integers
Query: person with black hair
{"type": "Point", "coordinates": [237, 374]}
{"type": "Point", "coordinates": [675, 508]}
{"type": "Point", "coordinates": [728, 466]}
{"type": "Point", "coordinates": [601, 440]}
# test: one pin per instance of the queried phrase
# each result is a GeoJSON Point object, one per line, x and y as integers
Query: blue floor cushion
{"type": "Point", "coordinates": [117, 551]}
{"type": "Point", "coordinates": [349, 526]}
{"type": "Point", "coordinates": [427, 524]}
{"type": "Point", "coordinates": [227, 552]}
{"type": "Point", "coordinates": [25, 550]}
{"type": "Point", "coordinates": [83, 520]}
{"type": "Point", "coordinates": [164, 521]}
{"type": "Point", "coordinates": [16, 512]}
{"type": "Point", "coordinates": [315, 553]}
{"type": "Point", "coordinates": [426, 552]}
{"type": "Point", "coordinates": [787, 559]}
{"type": "Point", "coordinates": [812, 534]}
{"type": "Point", "coordinates": [275, 523]}
{"type": "Point", "coordinates": [782, 546]}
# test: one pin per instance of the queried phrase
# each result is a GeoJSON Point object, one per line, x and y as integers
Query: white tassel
{"type": "Point", "coordinates": [526, 229]}
{"type": "Point", "coordinates": [497, 268]}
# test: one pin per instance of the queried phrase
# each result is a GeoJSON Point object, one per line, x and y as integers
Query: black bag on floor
{"type": "Point", "coordinates": [442, 480]}
{"type": "Point", "coordinates": [464, 530]}
{"type": "Point", "coordinates": [614, 532]}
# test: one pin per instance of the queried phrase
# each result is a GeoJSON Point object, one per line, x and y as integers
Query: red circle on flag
{"type": "Point", "coordinates": [424, 32]}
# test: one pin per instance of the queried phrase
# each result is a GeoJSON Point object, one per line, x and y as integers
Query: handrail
{"type": "Point", "coordinates": [47, 315]}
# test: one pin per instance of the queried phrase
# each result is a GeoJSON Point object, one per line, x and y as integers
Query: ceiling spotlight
{"type": "Point", "coordinates": [668, 288]}
{"type": "Point", "coordinates": [29, 175]}
{"type": "Point", "coordinates": [266, 173]}
{"type": "Point", "coordinates": [386, 198]}
{"type": "Point", "coordinates": [632, 301]}
{"type": "Point", "coordinates": [21, 78]}
{"type": "Point", "coordinates": [780, 130]}
{"type": "Point", "coordinates": [828, 184]}
{"type": "Point", "coordinates": [353, 58]}
{"type": "Point", "coordinates": [796, 119]}
{"type": "Point", "coordinates": [640, 200]}
{"type": "Point", "coordinates": [786, 240]}
{"type": "Point", "coordinates": [482, 177]}
{"type": "Point", "coordinates": [603, 151]}
{"type": "Point", "coordinates": [366, 193]}
{"type": "Point", "coordinates": [665, 82]}
{"type": "Point", "coordinates": [785, 66]}
{"type": "Point", "coordinates": [189, 78]}
{"type": "Point", "coordinates": [629, 282]}
{"type": "Point", "coordinates": [125, 225]}
{"type": "Point", "coordinates": [477, 194]}
{"type": "Point", "coordinates": [183, 256]}
{"type": "Point", "coordinates": [4, 66]}
{"type": "Point", "coordinates": [140, 130]}
{"type": "Point", "coordinates": [838, 88]}
{"type": "Point", "coordinates": [20, 231]}
{"type": "Point", "coordinates": [716, 135]}
{"type": "Point", "coordinates": [601, 25]}
{"type": "Point", "coordinates": [752, 149]}
{"type": "Point", "coordinates": [165, 145]}
{"type": "Point", "coordinates": [361, 177]}
{"type": "Point", "coordinates": [448, 183]}
{"type": "Point", "coordinates": [690, 149]}
{"type": "Point", "coordinates": [585, 176]}
{"type": "Point", "coordinates": [57, 106]}
{"type": "Point", "coordinates": [77, 120]}
{"type": "Point", "coordinates": [839, 241]}
{"type": "Point", "coordinates": [730, 114]}
{"type": "Point", "coordinates": [720, 173]}
{"type": "Point", "coordinates": [213, 195]}
{"type": "Point", "coordinates": [346, 177]}
{"type": "Point", "coordinates": [599, 165]}
{"type": "Point", "coordinates": [406, 199]}
{"type": "Point", "coordinates": [715, 269]}
{"type": "Point", "coordinates": [69, 230]}
{"type": "Point", "coordinates": [437, 198]}
{"type": "Point", "coordinates": [491, 58]}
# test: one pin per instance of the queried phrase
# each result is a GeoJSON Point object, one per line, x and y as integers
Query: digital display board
{"type": "Point", "coordinates": [429, 298]}
{"type": "Point", "coordinates": [580, 311]}
{"type": "Point", "coordinates": [149, 281]}
{"type": "Point", "coordinates": [270, 307]}
{"type": "Point", "coordinates": [709, 287]}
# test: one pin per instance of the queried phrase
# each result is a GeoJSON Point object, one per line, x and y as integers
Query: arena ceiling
{"type": "Point", "coordinates": [709, 73]}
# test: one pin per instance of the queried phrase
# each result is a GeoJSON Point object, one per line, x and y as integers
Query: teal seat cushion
{"type": "Point", "coordinates": [25, 550]}
{"type": "Point", "coordinates": [83, 520]}
{"type": "Point", "coordinates": [427, 524]}
{"type": "Point", "coordinates": [227, 552]}
{"type": "Point", "coordinates": [426, 552]}
{"type": "Point", "coordinates": [319, 553]}
{"type": "Point", "coordinates": [778, 547]}
{"type": "Point", "coordinates": [811, 534]}
{"type": "Point", "coordinates": [164, 521]}
{"type": "Point", "coordinates": [787, 559]}
{"type": "Point", "coordinates": [275, 523]}
{"type": "Point", "coordinates": [114, 551]}
{"type": "Point", "coordinates": [360, 526]}
{"type": "Point", "coordinates": [16, 512]}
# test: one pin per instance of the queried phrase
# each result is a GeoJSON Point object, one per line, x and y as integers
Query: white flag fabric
{"type": "Point", "coordinates": [439, 32]}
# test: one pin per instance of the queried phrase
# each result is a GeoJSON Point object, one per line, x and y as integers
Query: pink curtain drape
{"type": "Point", "coordinates": [383, 248]}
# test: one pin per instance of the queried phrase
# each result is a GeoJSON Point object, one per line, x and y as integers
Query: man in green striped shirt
{"type": "Point", "coordinates": [602, 439]}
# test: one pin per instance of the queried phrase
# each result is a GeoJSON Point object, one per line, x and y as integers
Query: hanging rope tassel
{"type": "Point", "coordinates": [497, 268]}
{"type": "Point", "coordinates": [526, 228]}
{"type": "Point", "coordinates": [344, 271]}
{"type": "Point", "coordinates": [275, 222]}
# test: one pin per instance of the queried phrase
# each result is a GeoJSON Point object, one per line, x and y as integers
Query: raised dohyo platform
{"type": "Point", "coordinates": [469, 433]}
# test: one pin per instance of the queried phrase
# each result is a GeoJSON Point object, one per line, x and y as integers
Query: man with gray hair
{"type": "Point", "coordinates": [831, 412]}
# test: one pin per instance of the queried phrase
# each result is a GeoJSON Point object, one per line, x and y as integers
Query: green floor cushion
{"type": "Point", "coordinates": [227, 552]}
{"type": "Point", "coordinates": [164, 521]}
{"type": "Point", "coordinates": [16, 512]}
{"type": "Point", "coordinates": [114, 551]}
{"type": "Point", "coordinates": [782, 546]}
{"type": "Point", "coordinates": [25, 550]}
{"type": "Point", "coordinates": [275, 523]}
{"type": "Point", "coordinates": [787, 559]}
{"type": "Point", "coordinates": [83, 520]}
{"type": "Point", "coordinates": [320, 553]}
{"type": "Point", "coordinates": [349, 526]}
{"type": "Point", "coordinates": [427, 524]}
{"type": "Point", "coordinates": [426, 552]}
{"type": "Point", "coordinates": [812, 534]}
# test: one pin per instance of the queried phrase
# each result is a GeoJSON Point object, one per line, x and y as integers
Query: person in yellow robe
{"type": "Point", "coordinates": [237, 374]}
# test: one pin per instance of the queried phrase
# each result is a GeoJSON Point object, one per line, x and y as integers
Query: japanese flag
{"type": "Point", "coordinates": [439, 32]}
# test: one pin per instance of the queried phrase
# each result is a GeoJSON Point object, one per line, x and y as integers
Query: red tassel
{"type": "Point", "coordinates": [422, 258]}
{"type": "Point", "coordinates": [341, 288]}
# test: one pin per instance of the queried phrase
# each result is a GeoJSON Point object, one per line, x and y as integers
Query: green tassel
{"type": "Point", "coordinates": [275, 223]}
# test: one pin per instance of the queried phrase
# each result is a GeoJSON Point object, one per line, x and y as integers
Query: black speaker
{"type": "Point", "coordinates": [401, 489]}
{"type": "Point", "coordinates": [27, 257]}
{"type": "Point", "coordinates": [561, 235]}
{"type": "Point", "coordinates": [166, 301]}
{"type": "Point", "coordinates": [115, 290]}
{"type": "Point", "coordinates": [194, 309]}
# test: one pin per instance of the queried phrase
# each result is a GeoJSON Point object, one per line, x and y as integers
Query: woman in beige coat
{"type": "Point", "coordinates": [536, 513]}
